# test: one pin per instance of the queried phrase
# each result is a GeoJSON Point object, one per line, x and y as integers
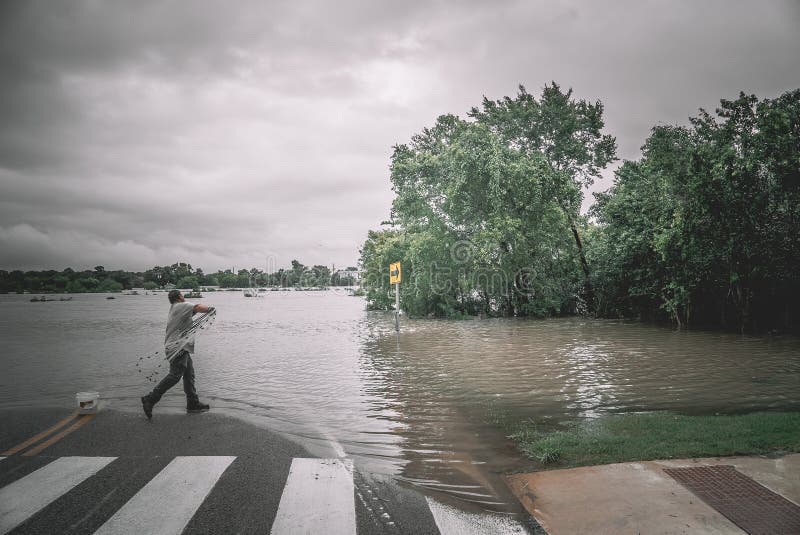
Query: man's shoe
{"type": "Point", "coordinates": [148, 407]}
{"type": "Point", "coordinates": [197, 407]}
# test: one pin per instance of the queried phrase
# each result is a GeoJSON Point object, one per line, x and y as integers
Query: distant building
{"type": "Point", "coordinates": [343, 273]}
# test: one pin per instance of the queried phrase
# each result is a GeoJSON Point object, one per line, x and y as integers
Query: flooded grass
{"type": "Point", "coordinates": [650, 436]}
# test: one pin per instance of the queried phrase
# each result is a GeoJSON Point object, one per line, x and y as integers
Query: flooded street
{"type": "Point", "coordinates": [425, 406]}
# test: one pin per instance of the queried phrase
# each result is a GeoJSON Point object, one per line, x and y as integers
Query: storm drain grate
{"type": "Point", "coordinates": [746, 503]}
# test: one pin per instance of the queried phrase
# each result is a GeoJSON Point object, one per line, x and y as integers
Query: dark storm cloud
{"type": "Point", "coordinates": [138, 133]}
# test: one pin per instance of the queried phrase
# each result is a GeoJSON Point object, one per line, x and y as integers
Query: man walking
{"type": "Point", "coordinates": [179, 351]}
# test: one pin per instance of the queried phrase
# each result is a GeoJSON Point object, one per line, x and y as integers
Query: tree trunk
{"type": "Point", "coordinates": [578, 242]}
{"type": "Point", "coordinates": [678, 318]}
{"type": "Point", "coordinates": [745, 312]}
{"type": "Point", "coordinates": [688, 310]}
{"type": "Point", "coordinates": [509, 303]}
{"type": "Point", "coordinates": [589, 292]}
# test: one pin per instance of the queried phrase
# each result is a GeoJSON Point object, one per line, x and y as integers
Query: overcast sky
{"type": "Point", "coordinates": [224, 134]}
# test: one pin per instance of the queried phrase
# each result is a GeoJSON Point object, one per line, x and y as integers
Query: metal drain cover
{"type": "Point", "coordinates": [745, 502]}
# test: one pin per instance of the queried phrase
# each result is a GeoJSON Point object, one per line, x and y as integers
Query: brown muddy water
{"type": "Point", "coordinates": [428, 406]}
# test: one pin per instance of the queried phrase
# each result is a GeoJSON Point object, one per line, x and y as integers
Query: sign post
{"type": "Point", "coordinates": [395, 276]}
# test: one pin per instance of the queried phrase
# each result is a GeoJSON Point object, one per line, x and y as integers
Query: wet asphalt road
{"type": "Point", "coordinates": [245, 499]}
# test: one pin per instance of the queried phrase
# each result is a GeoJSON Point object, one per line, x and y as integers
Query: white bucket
{"type": "Point", "coordinates": [87, 402]}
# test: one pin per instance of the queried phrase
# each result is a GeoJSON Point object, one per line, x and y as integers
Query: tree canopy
{"type": "Point", "coordinates": [180, 275]}
{"type": "Point", "coordinates": [703, 229]}
{"type": "Point", "coordinates": [486, 212]}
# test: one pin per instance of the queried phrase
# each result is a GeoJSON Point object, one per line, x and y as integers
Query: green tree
{"type": "Point", "coordinates": [75, 287]}
{"type": "Point", "coordinates": [568, 133]}
{"type": "Point", "coordinates": [243, 279]}
{"type": "Point", "coordinates": [479, 228]}
{"type": "Point", "coordinates": [379, 250]}
{"type": "Point", "coordinates": [226, 279]}
{"type": "Point", "coordinates": [297, 275]}
{"type": "Point", "coordinates": [188, 281]}
{"type": "Point", "coordinates": [320, 276]}
{"type": "Point", "coordinates": [109, 285]}
{"type": "Point", "coordinates": [705, 227]}
{"type": "Point", "coordinates": [636, 253]}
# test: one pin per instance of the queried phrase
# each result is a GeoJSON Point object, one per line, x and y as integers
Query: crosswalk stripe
{"type": "Point", "coordinates": [166, 504]}
{"type": "Point", "coordinates": [318, 498]}
{"type": "Point", "coordinates": [452, 521]}
{"type": "Point", "coordinates": [25, 497]}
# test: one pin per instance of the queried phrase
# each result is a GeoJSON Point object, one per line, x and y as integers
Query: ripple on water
{"type": "Point", "coordinates": [422, 405]}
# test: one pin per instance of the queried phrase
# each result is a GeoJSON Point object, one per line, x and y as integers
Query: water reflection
{"type": "Point", "coordinates": [443, 442]}
{"type": "Point", "coordinates": [593, 380]}
{"type": "Point", "coordinates": [447, 383]}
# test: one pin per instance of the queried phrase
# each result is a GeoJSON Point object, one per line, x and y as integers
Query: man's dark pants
{"type": "Point", "coordinates": [181, 366]}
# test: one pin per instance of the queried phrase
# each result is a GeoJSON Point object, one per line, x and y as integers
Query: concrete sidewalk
{"type": "Point", "coordinates": [640, 498]}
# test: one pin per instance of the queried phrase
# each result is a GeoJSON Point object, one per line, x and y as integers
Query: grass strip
{"type": "Point", "coordinates": [659, 435]}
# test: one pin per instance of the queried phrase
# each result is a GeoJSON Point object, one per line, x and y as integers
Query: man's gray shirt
{"type": "Point", "coordinates": [179, 320]}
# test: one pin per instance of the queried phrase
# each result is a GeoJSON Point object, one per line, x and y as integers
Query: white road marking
{"type": "Point", "coordinates": [318, 498]}
{"type": "Point", "coordinates": [452, 521]}
{"type": "Point", "coordinates": [167, 503]}
{"type": "Point", "coordinates": [334, 444]}
{"type": "Point", "coordinates": [24, 498]}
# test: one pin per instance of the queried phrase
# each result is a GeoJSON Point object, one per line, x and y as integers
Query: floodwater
{"type": "Point", "coordinates": [425, 406]}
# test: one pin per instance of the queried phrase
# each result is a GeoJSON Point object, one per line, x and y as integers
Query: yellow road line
{"type": "Point", "coordinates": [41, 435]}
{"type": "Point", "coordinates": [55, 438]}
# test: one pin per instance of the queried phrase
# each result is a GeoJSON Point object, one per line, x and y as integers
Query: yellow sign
{"type": "Point", "coordinates": [395, 273]}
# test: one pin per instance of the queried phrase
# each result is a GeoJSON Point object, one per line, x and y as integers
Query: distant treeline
{"type": "Point", "coordinates": [179, 275]}
{"type": "Point", "coordinates": [703, 230]}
